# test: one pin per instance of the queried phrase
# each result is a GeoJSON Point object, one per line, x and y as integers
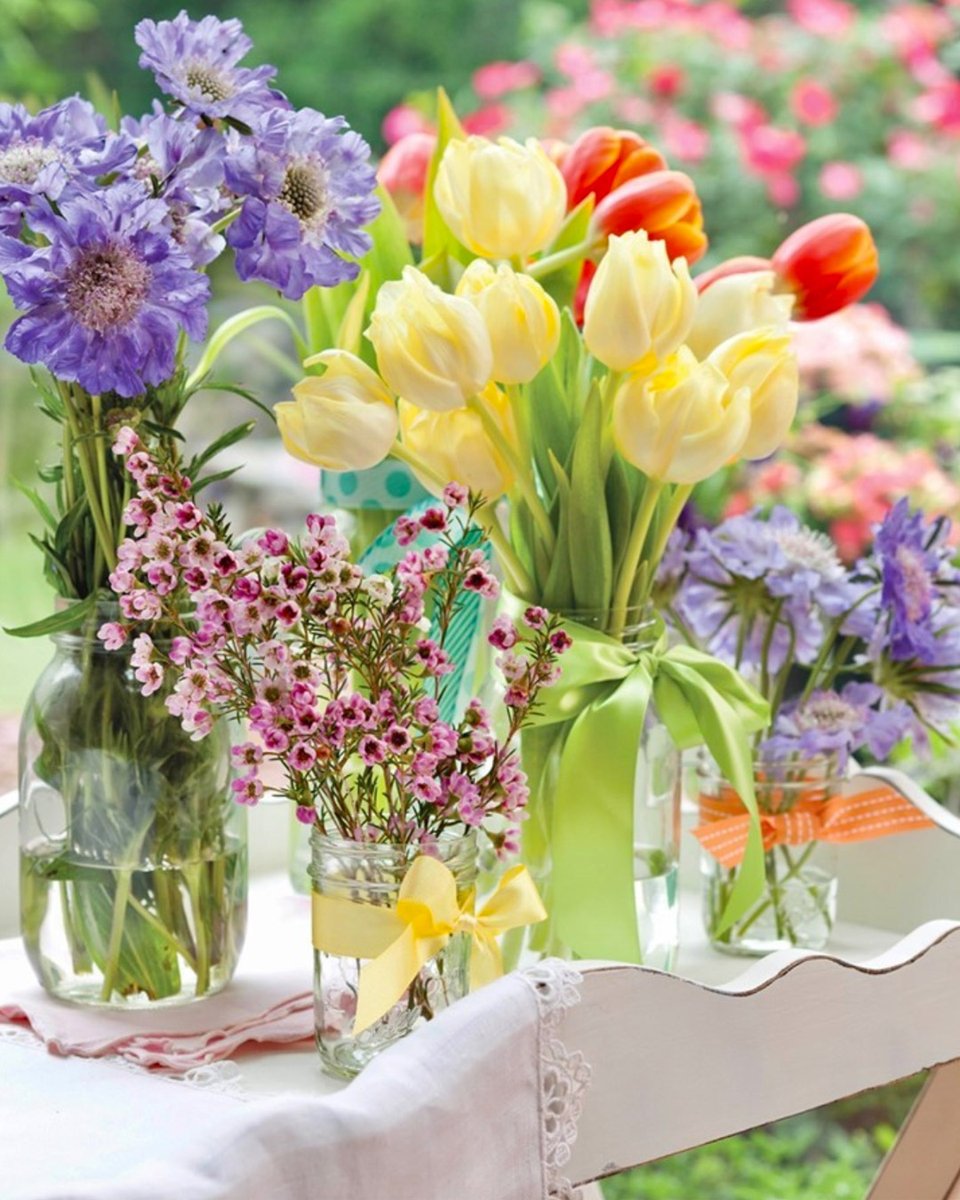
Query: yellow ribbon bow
{"type": "Point", "coordinates": [400, 941]}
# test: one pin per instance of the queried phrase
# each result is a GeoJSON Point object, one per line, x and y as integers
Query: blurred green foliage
{"type": "Point", "coordinates": [356, 57]}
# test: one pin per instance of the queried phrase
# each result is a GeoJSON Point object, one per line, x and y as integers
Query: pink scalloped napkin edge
{"type": "Point", "coordinates": [270, 1001]}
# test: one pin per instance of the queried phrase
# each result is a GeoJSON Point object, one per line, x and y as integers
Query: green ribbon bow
{"type": "Point", "coordinates": [604, 693]}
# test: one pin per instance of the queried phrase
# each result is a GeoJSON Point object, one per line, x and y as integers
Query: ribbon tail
{"type": "Point", "coordinates": [486, 960]}
{"type": "Point", "coordinates": [593, 888]}
{"type": "Point", "coordinates": [383, 980]}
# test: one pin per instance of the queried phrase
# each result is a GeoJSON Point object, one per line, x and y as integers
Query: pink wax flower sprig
{"type": "Point", "coordinates": [338, 675]}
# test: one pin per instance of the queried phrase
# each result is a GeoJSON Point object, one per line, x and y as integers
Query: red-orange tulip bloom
{"type": "Point", "coordinates": [602, 159]}
{"type": "Point", "coordinates": [828, 264]}
{"type": "Point", "coordinates": [744, 264]}
{"type": "Point", "coordinates": [665, 204]}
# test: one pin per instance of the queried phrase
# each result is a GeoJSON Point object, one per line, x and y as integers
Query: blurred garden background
{"type": "Point", "coordinates": [779, 113]}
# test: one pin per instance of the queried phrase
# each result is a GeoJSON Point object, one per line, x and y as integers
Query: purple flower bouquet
{"type": "Point", "coordinates": [134, 865]}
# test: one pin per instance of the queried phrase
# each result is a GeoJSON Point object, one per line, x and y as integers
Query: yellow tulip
{"type": "Point", "coordinates": [343, 420]}
{"type": "Point", "coordinates": [455, 446]}
{"type": "Point", "coordinates": [500, 199]}
{"type": "Point", "coordinates": [734, 305]}
{"type": "Point", "coordinates": [432, 348]}
{"type": "Point", "coordinates": [762, 361]}
{"type": "Point", "coordinates": [681, 422]}
{"type": "Point", "coordinates": [639, 304]}
{"type": "Point", "coordinates": [522, 320]}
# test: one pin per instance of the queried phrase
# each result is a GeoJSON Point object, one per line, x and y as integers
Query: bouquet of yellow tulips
{"type": "Point", "coordinates": [470, 366]}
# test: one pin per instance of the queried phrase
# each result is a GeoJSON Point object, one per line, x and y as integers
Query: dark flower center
{"type": "Point", "coordinates": [106, 286]}
{"type": "Point", "coordinates": [208, 81]}
{"type": "Point", "coordinates": [304, 192]}
{"type": "Point", "coordinates": [22, 161]}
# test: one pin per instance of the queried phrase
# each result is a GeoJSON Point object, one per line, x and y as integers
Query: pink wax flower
{"type": "Point", "coordinates": [497, 79]}
{"type": "Point", "coordinates": [812, 103]}
{"type": "Point", "coordinates": [840, 181]}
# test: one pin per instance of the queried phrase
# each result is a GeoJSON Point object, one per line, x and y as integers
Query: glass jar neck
{"type": "Point", "coordinates": [641, 630]}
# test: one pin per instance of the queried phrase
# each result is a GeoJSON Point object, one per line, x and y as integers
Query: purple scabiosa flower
{"type": "Point", "coordinates": [105, 302]}
{"type": "Point", "coordinates": [307, 186]}
{"type": "Point", "coordinates": [183, 166]}
{"type": "Point", "coordinates": [909, 555]}
{"type": "Point", "coordinates": [195, 62]}
{"type": "Point", "coordinates": [830, 723]}
{"type": "Point", "coordinates": [58, 153]}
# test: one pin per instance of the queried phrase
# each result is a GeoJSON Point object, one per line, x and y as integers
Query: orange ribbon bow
{"type": "Point", "coordinates": [860, 811]}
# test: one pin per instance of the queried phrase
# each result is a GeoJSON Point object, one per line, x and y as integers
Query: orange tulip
{"type": "Point", "coordinates": [602, 159]}
{"type": "Point", "coordinates": [828, 264]}
{"type": "Point", "coordinates": [403, 173]}
{"type": "Point", "coordinates": [744, 264]}
{"type": "Point", "coordinates": [665, 204]}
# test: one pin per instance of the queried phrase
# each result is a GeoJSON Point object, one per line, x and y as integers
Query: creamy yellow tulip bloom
{"type": "Point", "coordinates": [456, 447]}
{"type": "Point", "coordinates": [432, 348]}
{"type": "Point", "coordinates": [682, 421]}
{"type": "Point", "coordinates": [343, 420]}
{"type": "Point", "coordinates": [734, 305]}
{"type": "Point", "coordinates": [500, 199]}
{"type": "Point", "coordinates": [762, 361]}
{"type": "Point", "coordinates": [640, 305]}
{"type": "Point", "coordinates": [522, 320]}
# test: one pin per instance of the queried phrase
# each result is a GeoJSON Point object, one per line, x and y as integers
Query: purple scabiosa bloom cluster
{"type": "Point", "coordinates": [835, 724]}
{"type": "Point", "coordinates": [58, 153]}
{"type": "Point", "coordinates": [306, 185]}
{"type": "Point", "coordinates": [184, 166]}
{"type": "Point", "coordinates": [758, 592]}
{"type": "Point", "coordinates": [196, 63]}
{"type": "Point", "coordinates": [105, 301]}
{"type": "Point", "coordinates": [332, 671]}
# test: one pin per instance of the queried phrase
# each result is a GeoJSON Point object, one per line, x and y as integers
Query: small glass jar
{"type": "Point", "coordinates": [133, 853]}
{"type": "Point", "coordinates": [372, 874]}
{"type": "Point", "coordinates": [656, 817]}
{"type": "Point", "coordinates": [798, 905]}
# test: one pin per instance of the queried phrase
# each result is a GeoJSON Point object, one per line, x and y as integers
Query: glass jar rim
{"type": "Point", "coordinates": [335, 842]}
{"type": "Point", "coordinates": [823, 768]}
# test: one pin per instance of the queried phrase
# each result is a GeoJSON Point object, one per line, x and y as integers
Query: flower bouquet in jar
{"type": "Point", "coordinates": [853, 660]}
{"type": "Point", "coordinates": [340, 677]}
{"type": "Point", "coordinates": [551, 349]}
{"type": "Point", "coordinates": [134, 860]}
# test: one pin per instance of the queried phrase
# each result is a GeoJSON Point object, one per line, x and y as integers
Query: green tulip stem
{"type": "Point", "coordinates": [679, 498]}
{"type": "Point", "coordinates": [562, 258]}
{"type": "Point", "coordinates": [632, 556]}
{"type": "Point", "coordinates": [399, 451]}
{"type": "Point", "coordinates": [518, 579]}
{"type": "Point", "coordinates": [523, 481]}
{"type": "Point", "coordinates": [81, 441]}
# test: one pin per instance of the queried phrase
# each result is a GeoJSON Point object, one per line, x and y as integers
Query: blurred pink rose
{"type": "Point", "coordinates": [666, 81]}
{"type": "Point", "coordinates": [634, 110]}
{"type": "Point", "coordinates": [858, 354]}
{"type": "Point", "coordinates": [768, 149]}
{"type": "Point", "coordinates": [403, 120]}
{"type": "Point", "coordinates": [782, 188]}
{"type": "Point", "coordinates": [573, 60]}
{"type": "Point", "coordinates": [488, 121]}
{"type": "Point", "coordinates": [813, 103]}
{"type": "Point", "coordinates": [594, 85]}
{"type": "Point", "coordinates": [908, 150]}
{"type": "Point", "coordinates": [940, 106]}
{"type": "Point", "coordinates": [685, 140]}
{"type": "Point", "coordinates": [916, 30]}
{"type": "Point", "coordinates": [498, 79]}
{"type": "Point", "coordinates": [828, 18]}
{"type": "Point", "coordinates": [840, 180]}
{"type": "Point", "coordinates": [741, 112]}
{"type": "Point", "coordinates": [563, 105]}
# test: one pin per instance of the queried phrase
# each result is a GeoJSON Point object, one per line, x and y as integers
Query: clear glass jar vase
{"type": "Point", "coordinates": [656, 819]}
{"type": "Point", "coordinates": [368, 873]}
{"type": "Point", "coordinates": [798, 905]}
{"type": "Point", "coordinates": [133, 853]}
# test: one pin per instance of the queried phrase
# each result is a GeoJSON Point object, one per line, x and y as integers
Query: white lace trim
{"type": "Point", "coordinates": [564, 1074]}
{"type": "Point", "coordinates": [222, 1076]}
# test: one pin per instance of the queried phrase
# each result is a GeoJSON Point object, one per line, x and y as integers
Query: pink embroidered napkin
{"type": "Point", "coordinates": [269, 1001]}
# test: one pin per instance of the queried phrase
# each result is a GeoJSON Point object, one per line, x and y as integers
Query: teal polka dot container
{"type": "Point", "coordinates": [391, 487]}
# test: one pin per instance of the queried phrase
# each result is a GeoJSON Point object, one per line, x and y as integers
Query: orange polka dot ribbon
{"type": "Point", "coordinates": [861, 810]}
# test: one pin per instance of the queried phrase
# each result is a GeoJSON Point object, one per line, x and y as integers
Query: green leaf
{"type": "Point", "coordinates": [562, 283]}
{"type": "Point", "coordinates": [351, 327]}
{"type": "Point", "coordinates": [230, 438]}
{"type": "Point", "coordinates": [590, 543]}
{"type": "Point", "coordinates": [234, 390]}
{"type": "Point", "coordinates": [239, 323]}
{"type": "Point", "coordinates": [38, 503]}
{"type": "Point", "coordinates": [438, 238]}
{"type": "Point", "coordinates": [558, 592]}
{"type": "Point", "coordinates": [216, 477]}
{"type": "Point", "coordinates": [61, 622]}
{"type": "Point", "coordinates": [554, 403]}
{"type": "Point", "coordinates": [622, 492]}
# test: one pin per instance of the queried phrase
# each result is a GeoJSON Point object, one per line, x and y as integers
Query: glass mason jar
{"type": "Point", "coordinates": [133, 853]}
{"type": "Point", "coordinates": [656, 819]}
{"type": "Point", "coordinates": [372, 874]}
{"type": "Point", "coordinates": [798, 905]}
